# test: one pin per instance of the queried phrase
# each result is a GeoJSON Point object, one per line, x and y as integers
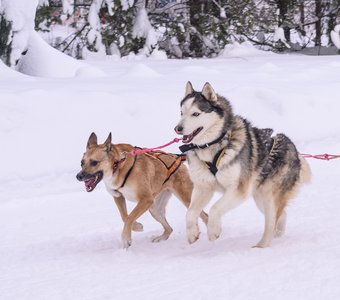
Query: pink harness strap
{"type": "Point", "coordinates": [145, 150]}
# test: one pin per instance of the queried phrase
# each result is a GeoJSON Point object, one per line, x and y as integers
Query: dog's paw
{"type": "Point", "coordinates": [213, 237]}
{"type": "Point", "coordinates": [261, 244]}
{"type": "Point", "coordinates": [279, 233]}
{"type": "Point", "coordinates": [126, 243]}
{"type": "Point", "coordinates": [162, 237]}
{"type": "Point", "coordinates": [214, 232]}
{"type": "Point", "coordinates": [193, 237]}
{"type": "Point", "coordinates": [137, 227]}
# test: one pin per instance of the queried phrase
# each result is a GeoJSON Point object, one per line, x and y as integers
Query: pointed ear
{"type": "Point", "coordinates": [107, 143]}
{"type": "Point", "coordinates": [208, 92]}
{"type": "Point", "coordinates": [188, 89]}
{"type": "Point", "coordinates": [92, 140]}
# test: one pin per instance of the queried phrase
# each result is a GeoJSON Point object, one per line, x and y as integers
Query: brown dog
{"type": "Point", "coordinates": [148, 179]}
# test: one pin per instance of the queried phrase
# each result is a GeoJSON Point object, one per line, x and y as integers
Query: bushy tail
{"type": "Point", "coordinates": [305, 172]}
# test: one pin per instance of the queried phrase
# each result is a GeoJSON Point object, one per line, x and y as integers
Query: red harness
{"type": "Point", "coordinates": [155, 155]}
{"type": "Point", "coordinates": [173, 166]}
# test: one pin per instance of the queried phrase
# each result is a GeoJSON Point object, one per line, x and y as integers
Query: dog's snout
{"type": "Point", "coordinates": [179, 129]}
{"type": "Point", "coordinates": [80, 176]}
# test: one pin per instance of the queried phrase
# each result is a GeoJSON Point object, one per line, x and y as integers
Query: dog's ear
{"type": "Point", "coordinates": [92, 140]}
{"type": "Point", "coordinates": [188, 89]}
{"type": "Point", "coordinates": [208, 92]}
{"type": "Point", "coordinates": [107, 143]}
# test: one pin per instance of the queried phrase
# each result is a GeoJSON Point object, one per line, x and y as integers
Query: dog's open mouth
{"type": "Point", "coordinates": [91, 182]}
{"type": "Point", "coordinates": [187, 138]}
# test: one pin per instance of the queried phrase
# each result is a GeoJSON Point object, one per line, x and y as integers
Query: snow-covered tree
{"type": "Point", "coordinates": [18, 20]}
{"type": "Point", "coordinates": [24, 50]}
{"type": "Point", "coordinates": [335, 36]}
{"type": "Point", "coordinates": [184, 28]}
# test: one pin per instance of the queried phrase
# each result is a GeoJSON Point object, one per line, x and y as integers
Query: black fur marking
{"type": "Point", "coordinates": [264, 143]}
{"type": "Point", "coordinates": [283, 152]}
{"type": "Point", "coordinates": [205, 105]}
{"type": "Point", "coordinates": [192, 95]}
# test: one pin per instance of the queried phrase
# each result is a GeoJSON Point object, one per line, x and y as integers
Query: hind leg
{"type": "Point", "coordinates": [266, 203]}
{"type": "Point", "coordinates": [158, 210]}
{"type": "Point", "coordinates": [281, 224]}
{"type": "Point", "coordinates": [281, 218]}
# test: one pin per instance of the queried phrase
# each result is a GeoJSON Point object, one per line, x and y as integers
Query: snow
{"type": "Point", "coordinates": [21, 15]}
{"type": "Point", "coordinates": [67, 7]}
{"type": "Point", "coordinates": [59, 242]}
{"type": "Point", "coordinates": [279, 35]}
{"type": "Point", "coordinates": [142, 28]}
{"type": "Point", "coordinates": [335, 36]}
{"type": "Point", "coordinates": [244, 49]}
{"type": "Point", "coordinates": [44, 61]}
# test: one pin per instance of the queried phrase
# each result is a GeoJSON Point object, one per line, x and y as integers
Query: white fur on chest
{"type": "Point", "coordinates": [227, 175]}
{"type": "Point", "coordinates": [115, 191]}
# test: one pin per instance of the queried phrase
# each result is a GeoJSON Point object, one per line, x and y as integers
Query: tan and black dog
{"type": "Point", "coordinates": [148, 179]}
{"type": "Point", "coordinates": [227, 154]}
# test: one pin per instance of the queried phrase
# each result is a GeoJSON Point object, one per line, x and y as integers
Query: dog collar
{"type": "Point", "coordinates": [187, 147]}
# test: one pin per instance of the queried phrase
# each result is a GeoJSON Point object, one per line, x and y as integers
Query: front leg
{"type": "Point", "coordinates": [229, 200]}
{"type": "Point", "coordinates": [201, 196]}
{"type": "Point", "coordinates": [143, 205]}
{"type": "Point", "coordinates": [121, 204]}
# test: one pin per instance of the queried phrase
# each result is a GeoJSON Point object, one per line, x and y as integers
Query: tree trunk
{"type": "Point", "coordinates": [318, 8]}
{"type": "Point", "coordinates": [282, 5]}
{"type": "Point", "coordinates": [302, 17]}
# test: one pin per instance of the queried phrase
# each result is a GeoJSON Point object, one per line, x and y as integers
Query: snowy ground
{"type": "Point", "coordinates": [59, 242]}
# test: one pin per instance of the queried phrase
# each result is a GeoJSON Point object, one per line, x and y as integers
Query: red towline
{"type": "Point", "coordinates": [324, 156]}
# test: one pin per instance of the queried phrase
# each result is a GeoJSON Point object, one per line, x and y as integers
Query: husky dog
{"type": "Point", "coordinates": [149, 179]}
{"type": "Point", "coordinates": [227, 154]}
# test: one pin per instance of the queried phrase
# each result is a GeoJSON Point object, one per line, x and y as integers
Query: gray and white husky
{"type": "Point", "coordinates": [227, 154]}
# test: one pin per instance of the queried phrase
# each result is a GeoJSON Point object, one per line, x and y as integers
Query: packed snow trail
{"type": "Point", "coordinates": [59, 242]}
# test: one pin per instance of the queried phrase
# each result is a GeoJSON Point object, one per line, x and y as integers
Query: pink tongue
{"type": "Point", "coordinates": [89, 182]}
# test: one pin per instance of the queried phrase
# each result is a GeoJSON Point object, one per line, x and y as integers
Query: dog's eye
{"type": "Point", "coordinates": [93, 163]}
{"type": "Point", "coordinates": [82, 163]}
{"type": "Point", "coordinates": [195, 114]}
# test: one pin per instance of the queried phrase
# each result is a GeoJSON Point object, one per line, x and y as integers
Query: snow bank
{"type": "Point", "coordinates": [142, 71]}
{"type": "Point", "coordinates": [44, 61]}
{"type": "Point", "coordinates": [244, 49]}
{"type": "Point", "coordinates": [6, 72]}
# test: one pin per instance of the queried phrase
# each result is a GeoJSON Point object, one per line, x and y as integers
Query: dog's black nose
{"type": "Point", "coordinates": [80, 176]}
{"type": "Point", "coordinates": [179, 129]}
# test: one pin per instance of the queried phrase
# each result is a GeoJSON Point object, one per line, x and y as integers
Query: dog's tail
{"type": "Point", "coordinates": [305, 172]}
